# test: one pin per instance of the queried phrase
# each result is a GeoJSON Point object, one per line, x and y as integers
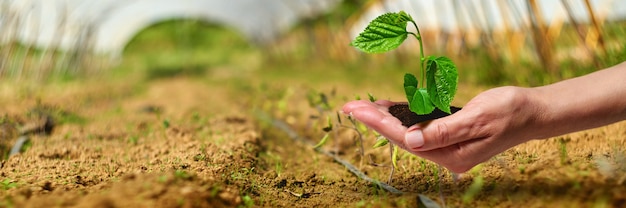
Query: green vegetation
{"type": "Point", "coordinates": [181, 174]}
{"type": "Point", "coordinates": [186, 48]}
{"type": "Point", "coordinates": [166, 123]}
{"type": "Point", "coordinates": [7, 184]}
{"type": "Point", "coordinates": [476, 186]}
{"type": "Point", "coordinates": [386, 33]}
{"type": "Point", "coordinates": [247, 201]}
{"type": "Point", "coordinates": [563, 150]}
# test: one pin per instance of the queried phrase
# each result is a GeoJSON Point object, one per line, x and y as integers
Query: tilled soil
{"type": "Point", "coordinates": [180, 142]}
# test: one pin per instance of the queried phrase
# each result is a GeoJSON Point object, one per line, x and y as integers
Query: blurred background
{"type": "Point", "coordinates": [127, 87]}
{"type": "Point", "coordinates": [494, 42]}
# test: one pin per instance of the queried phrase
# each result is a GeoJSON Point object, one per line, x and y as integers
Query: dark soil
{"type": "Point", "coordinates": [409, 118]}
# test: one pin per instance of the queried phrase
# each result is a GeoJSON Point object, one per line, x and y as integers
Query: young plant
{"type": "Point", "coordinates": [428, 99]}
{"type": "Point", "coordinates": [7, 184]}
{"type": "Point", "coordinates": [438, 77]}
{"type": "Point", "coordinates": [327, 131]}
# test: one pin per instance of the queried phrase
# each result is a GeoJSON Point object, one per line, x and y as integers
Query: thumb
{"type": "Point", "coordinates": [442, 132]}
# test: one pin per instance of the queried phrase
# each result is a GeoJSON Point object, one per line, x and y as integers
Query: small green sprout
{"type": "Point", "coordinates": [322, 141]}
{"type": "Point", "coordinates": [7, 184]}
{"type": "Point", "coordinates": [327, 131]}
{"type": "Point", "coordinates": [473, 189]}
{"type": "Point", "coordinates": [181, 174]}
{"type": "Point", "coordinates": [166, 123]}
{"type": "Point", "coordinates": [371, 97]}
{"type": "Point", "coordinates": [381, 141]}
{"type": "Point", "coordinates": [247, 201]}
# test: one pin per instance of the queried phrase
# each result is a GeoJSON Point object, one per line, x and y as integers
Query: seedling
{"type": "Point", "coordinates": [133, 140]}
{"type": "Point", "coordinates": [247, 201]}
{"type": "Point", "coordinates": [166, 123]}
{"type": "Point", "coordinates": [438, 75]}
{"type": "Point", "coordinates": [181, 174]}
{"type": "Point", "coordinates": [7, 184]}
{"type": "Point", "coordinates": [476, 187]}
{"type": "Point", "coordinates": [563, 151]}
{"type": "Point", "coordinates": [428, 99]}
{"type": "Point", "coordinates": [327, 130]}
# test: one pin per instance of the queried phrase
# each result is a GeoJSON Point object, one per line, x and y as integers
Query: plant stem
{"type": "Point", "coordinates": [393, 167]}
{"type": "Point", "coordinates": [422, 59]}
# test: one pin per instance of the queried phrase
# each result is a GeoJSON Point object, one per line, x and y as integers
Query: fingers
{"type": "Point", "coordinates": [376, 116]}
{"type": "Point", "coordinates": [463, 156]}
{"type": "Point", "coordinates": [443, 132]}
{"type": "Point", "coordinates": [386, 103]}
{"type": "Point", "coordinates": [451, 141]}
{"type": "Point", "coordinates": [452, 157]}
{"type": "Point", "coordinates": [352, 106]}
{"type": "Point", "coordinates": [456, 128]}
{"type": "Point", "coordinates": [448, 158]}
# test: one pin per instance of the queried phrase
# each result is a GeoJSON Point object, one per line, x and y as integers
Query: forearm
{"type": "Point", "coordinates": [585, 102]}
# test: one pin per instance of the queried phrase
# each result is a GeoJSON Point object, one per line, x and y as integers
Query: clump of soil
{"type": "Point", "coordinates": [409, 118]}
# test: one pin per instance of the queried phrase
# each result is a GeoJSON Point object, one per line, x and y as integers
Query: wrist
{"type": "Point", "coordinates": [540, 115]}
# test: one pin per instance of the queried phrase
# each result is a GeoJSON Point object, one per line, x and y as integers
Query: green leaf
{"type": "Point", "coordinates": [394, 156]}
{"type": "Point", "coordinates": [338, 117]}
{"type": "Point", "coordinates": [473, 189]}
{"type": "Point", "coordinates": [419, 100]}
{"type": "Point", "coordinates": [410, 86]}
{"type": "Point", "coordinates": [166, 123]}
{"type": "Point", "coordinates": [322, 142]}
{"type": "Point", "coordinates": [384, 33]}
{"type": "Point", "coordinates": [329, 126]}
{"type": "Point", "coordinates": [371, 97]}
{"type": "Point", "coordinates": [421, 103]}
{"type": "Point", "coordinates": [382, 141]}
{"type": "Point", "coordinates": [441, 81]}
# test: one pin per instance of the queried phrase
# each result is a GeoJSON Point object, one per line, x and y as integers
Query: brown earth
{"type": "Point", "coordinates": [182, 142]}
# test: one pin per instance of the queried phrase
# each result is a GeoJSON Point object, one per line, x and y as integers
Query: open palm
{"type": "Point", "coordinates": [489, 124]}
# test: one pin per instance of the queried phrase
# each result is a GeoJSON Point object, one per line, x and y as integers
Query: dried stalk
{"type": "Point", "coordinates": [596, 26]}
{"type": "Point", "coordinates": [578, 28]}
{"type": "Point", "coordinates": [543, 45]}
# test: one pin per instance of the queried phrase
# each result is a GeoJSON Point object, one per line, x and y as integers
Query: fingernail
{"type": "Point", "coordinates": [414, 139]}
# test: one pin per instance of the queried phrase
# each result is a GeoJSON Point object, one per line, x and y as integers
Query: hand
{"type": "Point", "coordinates": [492, 122]}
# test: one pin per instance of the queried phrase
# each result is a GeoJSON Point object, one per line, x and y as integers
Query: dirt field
{"type": "Point", "coordinates": [185, 142]}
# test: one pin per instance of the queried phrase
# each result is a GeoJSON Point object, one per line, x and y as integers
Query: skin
{"type": "Point", "coordinates": [503, 117]}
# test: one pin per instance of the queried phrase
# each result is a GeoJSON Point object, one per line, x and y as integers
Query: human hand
{"type": "Point", "coordinates": [490, 123]}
